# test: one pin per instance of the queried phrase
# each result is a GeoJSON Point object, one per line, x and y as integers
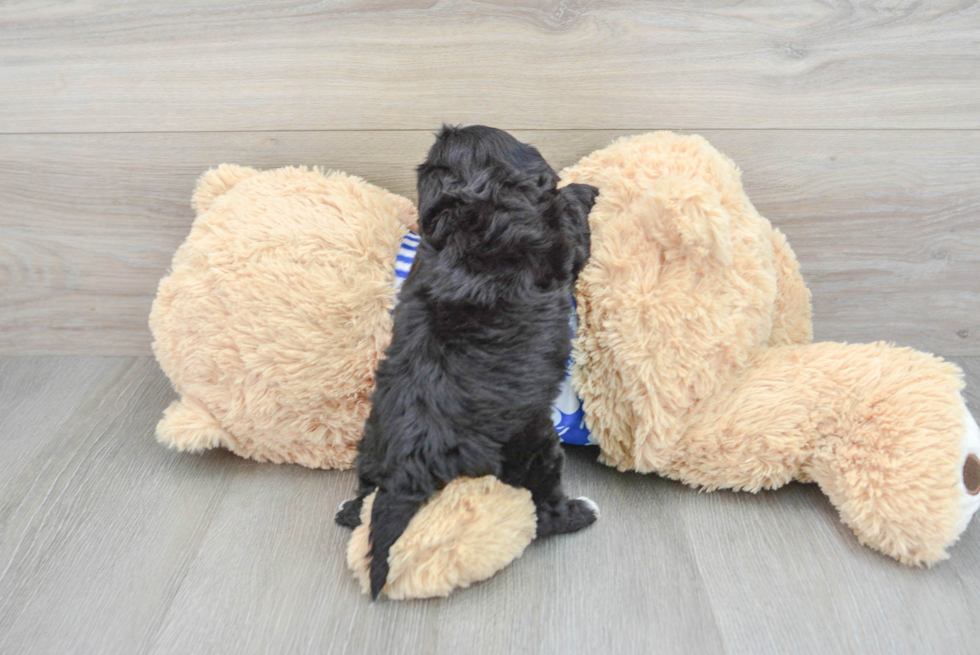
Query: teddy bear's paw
{"type": "Point", "coordinates": [187, 425]}
{"type": "Point", "coordinates": [969, 484]}
{"type": "Point", "coordinates": [470, 530]}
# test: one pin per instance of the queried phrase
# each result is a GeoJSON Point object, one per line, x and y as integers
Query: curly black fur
{"type": "Point", "coordinates": [480, 341]}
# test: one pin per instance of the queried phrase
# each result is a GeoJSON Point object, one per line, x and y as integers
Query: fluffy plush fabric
{"type": "Point", "coordinates": [276, 310]}
{"type": "Point", "coordinates": [689, 310]}
{"type": "Point", "coordinates": [681, 290]}
{"type": "Point", "coordinates": [471, 530]}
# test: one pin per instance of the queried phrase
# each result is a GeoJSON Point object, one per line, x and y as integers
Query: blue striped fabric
{"type": "Point", "coordinates": [406, 255]}
{"type": "Point", "coordinates": [566, 412]}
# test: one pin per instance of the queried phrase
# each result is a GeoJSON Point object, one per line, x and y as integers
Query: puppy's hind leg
{"type": "Point", "coordinates": [534, 460]}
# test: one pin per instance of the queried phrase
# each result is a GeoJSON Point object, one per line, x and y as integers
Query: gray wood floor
{"type": "Point", "coordinates": [856, 125]}
{"type": "Point", "coordinates": [111, 544]}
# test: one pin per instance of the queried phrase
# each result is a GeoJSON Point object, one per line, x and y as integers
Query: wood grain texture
{"type": "Point", "coordinates": [784, 576]}
{"type": "Point", "coordinates": [381, 64]}
{"type": "Point", "coordinates": [99, 525]}
{"type": "Point", "coordinates": [116, 545]}
{"type": "Point", "coordinates": [112, 544]}
{"type": "Point", "coordinates": [276, 582]}
{"type": "Point", "coordinates": [630, 584]}
{"type": "Point", "coordinates": [37, 396]}
{"type": "Point", "coordinates": [885, 223]}
{"type": "Point", "coordinates": [971, 372]}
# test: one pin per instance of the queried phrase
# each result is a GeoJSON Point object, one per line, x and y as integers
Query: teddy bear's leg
{"type": "Point", "coordinates": [907, 485]}
{"type": "Point", "coordinates": [187, 425]}
{"type": "Point", "coordinates": [882, 430]}
{"type": "Point", "coordinates": [534, 460]}
{"type": "Point", "coordinates": [894, 456]}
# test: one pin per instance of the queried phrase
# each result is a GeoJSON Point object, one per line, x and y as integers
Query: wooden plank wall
{"type": "Point", "coordinates": [857, 127]}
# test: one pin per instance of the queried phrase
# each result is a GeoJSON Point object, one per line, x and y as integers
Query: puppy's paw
{"type": "Point", "coordinates": [349, 514]}
{"type": "Point", "coordinates": [566, 516]}
{"type": "Point", "coordinates": [582, 512]}
{"type": "Point", "coordinates": [591, 504]}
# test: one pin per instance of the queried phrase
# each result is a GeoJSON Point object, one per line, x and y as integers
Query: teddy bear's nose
{"type": "Point", "coordinates": [971, 474]}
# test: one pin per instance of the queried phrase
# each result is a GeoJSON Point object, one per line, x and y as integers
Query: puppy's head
{"type": "Point", "coordinates": [477, 176]}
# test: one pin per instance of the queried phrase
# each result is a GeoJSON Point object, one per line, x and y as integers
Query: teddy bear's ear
{"type": "Point", "coordinates": [688, 219]}
{"type": "Point", "coordinates": [216, 182]}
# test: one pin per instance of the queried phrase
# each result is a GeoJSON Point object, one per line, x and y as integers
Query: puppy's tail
{"type": "Point", "coordinates": [390, 516]}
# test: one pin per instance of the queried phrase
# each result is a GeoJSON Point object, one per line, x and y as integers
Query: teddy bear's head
{"type": "Point", "coordinates": [275, 312]}
{"type": "Point", "coordinates": [685, 284]}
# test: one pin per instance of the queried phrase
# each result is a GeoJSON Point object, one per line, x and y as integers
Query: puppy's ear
{"type": "Point", "coordinates": [546, 180]}
{"type": "Point", "coordinates": [578, 197]}
{"type": "Point", "coordinates": [572, 205]}
{"type": "Point", "coordinates": [445, 200]}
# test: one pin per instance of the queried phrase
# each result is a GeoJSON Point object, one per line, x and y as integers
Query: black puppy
{"type": "Point", "coordinates": [481, 337]}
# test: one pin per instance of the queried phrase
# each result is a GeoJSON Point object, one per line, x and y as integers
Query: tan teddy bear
{"type": "Point", "coordinates": [691, 357]}
{"type": "Point", "coordinates": [275, 312]}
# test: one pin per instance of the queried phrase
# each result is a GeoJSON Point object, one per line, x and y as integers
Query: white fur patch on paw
{"type": "Point", "coordinates": [591, 503]}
